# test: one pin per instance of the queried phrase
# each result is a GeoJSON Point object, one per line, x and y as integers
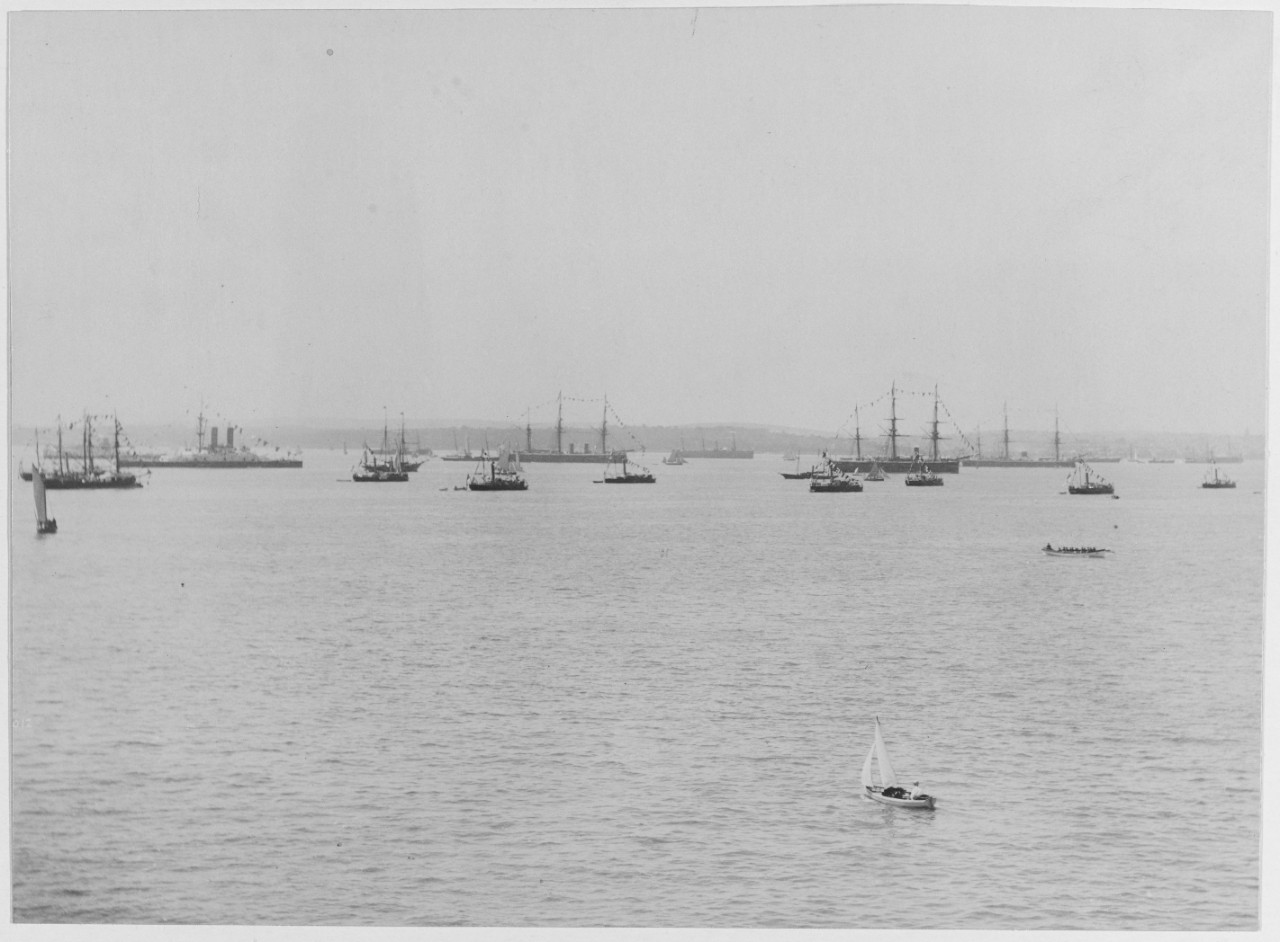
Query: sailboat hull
{"type": "Point", "coordinates": [874, 794]}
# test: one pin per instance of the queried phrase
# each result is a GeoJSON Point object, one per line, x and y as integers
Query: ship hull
{"type": "Point", "coordinates": [559, 457]}
{"type": "Point", "coordinates": [896, 465]}
{"type": "Point", "coordinates": [210, 463]}
{"type": "Point", "coordinates": [719, 453]}
{"type": "Point", "coordinates": [54, 483]}
{"type": "Point", "coordinates": [1016, 463]}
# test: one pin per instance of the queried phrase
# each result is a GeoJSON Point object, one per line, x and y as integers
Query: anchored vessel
{"type": "Point", "coordinates": [893, 462]}
{"type": "Point", "coordinates": [798, 475]}
{"type": "Point", "coordinates": [1005, 461]}
{"type": "Point", "coordinates": [833, 481]}
{"type": "Point", "coordinates": [90, 476]}
{"type": "Point", "coordinates": [1084, 480]}
{"type": "Point", "coordinates": [643, 476]}
{"type": "Point", "coordinates": [1214, 480]}
{"type": "Point", "coordinates": [499, 474]}
{"type": "Point", "coordinates": [214, 455]}
{"type": "Point", "coordinates": [715, 451]}
{"type": "Point", "coordinates": [558, 455]}
{"type": "Point", "coordinates": [921, 476]}
{"type": "Point", "coordinates": [398, 452]}
{"type": "Point", "coordinates": [373, 470]}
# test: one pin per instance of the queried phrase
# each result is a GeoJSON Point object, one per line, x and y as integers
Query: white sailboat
{"type": "Point", "coordinates": [44, 523]}
{"type": "Point", "coordinates": [888, 791]}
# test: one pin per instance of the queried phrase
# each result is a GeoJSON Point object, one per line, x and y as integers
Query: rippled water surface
{"type": "Point", "coordinates": [277, 697]}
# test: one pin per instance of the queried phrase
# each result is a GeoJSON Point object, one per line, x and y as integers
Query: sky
{"type": "Point", "coordinates": [752, 215]}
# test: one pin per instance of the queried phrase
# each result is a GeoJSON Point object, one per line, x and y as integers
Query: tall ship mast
{"type": "Point", "coordinates": [893, 421]}
{"type": "Point", "coordinates": [559, 423]}
{"type": "Point", "coordinates": [1007, 460]}
{"type": "Point", "coordinates": [586, 454]}
{"type": "Point", "coordinates": [893, 462]}
{"type": "Point", "coordinates": [933, 433]}
{"type": "Point", "coordinates": [90, 476]}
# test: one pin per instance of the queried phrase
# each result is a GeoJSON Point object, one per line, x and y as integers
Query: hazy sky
{"type": "Point", "coordinates": [754, 215]}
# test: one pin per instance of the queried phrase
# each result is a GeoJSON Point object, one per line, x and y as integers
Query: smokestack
{"type": "Point", "coordinates": [213, 438]}
{"type": "Point", "coordinates": [231, 438]}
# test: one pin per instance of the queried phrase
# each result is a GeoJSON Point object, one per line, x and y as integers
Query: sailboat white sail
{"type": "Point", "coordinates": [44, 523]}
{"type": "Point", "coordinates": [508, 461]}
{"type": "Point", "coordinates": [888, 791]}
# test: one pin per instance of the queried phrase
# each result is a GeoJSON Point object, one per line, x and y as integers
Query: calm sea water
{"type": "Point", "coordinates": [277, 697]}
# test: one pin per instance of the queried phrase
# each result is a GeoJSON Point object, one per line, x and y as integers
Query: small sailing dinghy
{"type": "Point", "coordinates": [44, 523]}
{"type": "Point", "coordinates": [888, 792]}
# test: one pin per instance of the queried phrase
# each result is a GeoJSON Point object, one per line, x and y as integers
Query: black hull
{"type": "Point", "coordinates": [558, 457]}
{"type": "Point", "coordinates": [895, 465]}
{"type": "Point", "coordinates": [1220, 487]}
{"type": "Point", "coordinates": [381, 477]}
{"type": "Point", "coordinates": [210, 463]}
{"type": "Point", "coordinates": [499, 486]}
{"type": "Point", "coordinates": [1091, 489]}
{"type": "Point", "coordinates": [629, 480]}
{"type": "Point", "coordinates": [114, 483]}
{"type": "Point", "coordinates": [1016, 463]}
{"type": "Point", "coordinates": [925, 483]}
{"type": "Point", "coordinates": [802, 476]}
{"type": "Point", "coordinates": [816, 488]}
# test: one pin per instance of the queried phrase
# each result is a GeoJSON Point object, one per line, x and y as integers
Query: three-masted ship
{"type": "Point", "coordinates": [558, 455]}
{"type": "Point", "coordinates": [92, 474]}
{"type": "Point", "coordinates": [892, 461]}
